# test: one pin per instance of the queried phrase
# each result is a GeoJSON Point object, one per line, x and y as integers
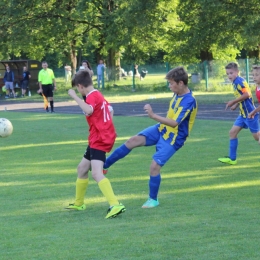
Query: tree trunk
{"type": "Point", "coordinates": [113, 65]}
{"type": "Point", "coordinates": [73, 58]}
{"type": "Point", "coordinates": [206, 55]}
{"type": "Point", "coordinates": [254, 53]}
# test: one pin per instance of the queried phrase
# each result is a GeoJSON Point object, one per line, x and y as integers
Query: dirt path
{"type": "Point", "coordinates": [214, 111]}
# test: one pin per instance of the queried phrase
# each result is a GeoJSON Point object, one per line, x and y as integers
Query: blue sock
{"type": "Point", "coordinates": [118, 154]}
{"type": "Point", "coordinates": [154, 185]}
{"type": "Point", "coordinates": [233, 144]}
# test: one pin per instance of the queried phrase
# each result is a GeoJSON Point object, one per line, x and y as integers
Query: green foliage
{"type": "Point", "coordinates": [133, 31]}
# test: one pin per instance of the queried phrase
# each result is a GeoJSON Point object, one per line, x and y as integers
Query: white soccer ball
{"type": "Point", "coordinates": [6, 127]}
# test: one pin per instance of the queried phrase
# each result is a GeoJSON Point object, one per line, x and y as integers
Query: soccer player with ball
{"type": "Point", "coordinates": [101, 139]}
{"type": "Point", "coordinates": [168, 135]}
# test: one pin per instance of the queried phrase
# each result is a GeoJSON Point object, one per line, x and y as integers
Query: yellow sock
{"type": "Point", "coordinates": [81, 188]}
{"type": "Point", "coordinates": [106, 189]}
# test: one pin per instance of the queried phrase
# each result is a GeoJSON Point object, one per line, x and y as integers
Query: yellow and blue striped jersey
{"type": "Point", "coordinates": [182, 109]}
{"type": "Point", "coordinates": [240, 86]}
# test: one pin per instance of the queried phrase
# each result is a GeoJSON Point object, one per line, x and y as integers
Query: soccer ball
{"type": "Point", "coordinates": [6, 127]}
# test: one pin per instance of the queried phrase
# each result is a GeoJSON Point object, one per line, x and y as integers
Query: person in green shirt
{"type": "Point", "coordinates": [47, 85]}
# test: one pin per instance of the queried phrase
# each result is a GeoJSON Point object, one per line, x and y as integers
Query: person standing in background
{"type": "Point", "coordinates": [87, 66]}
{"type": "Point", "coordinates": [25, 80]}
{"type": "Point", "coordinates": [67, 73]}
{"type": "Point", "coordinates": [47, 81]}
{"type": "Point", "coordinates": [136, 72]}
{"type": "Point", "coordinates": [100, 68]}
{"type": "Point", "coordinates": [9, 82]}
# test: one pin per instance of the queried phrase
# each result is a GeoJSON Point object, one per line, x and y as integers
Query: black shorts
{"type": "Point", "coordinates": [47, 90]}
{"type": "Point", "coordinates": [25, 84]}
{"type": "Point", "coordinates": [94, 154]}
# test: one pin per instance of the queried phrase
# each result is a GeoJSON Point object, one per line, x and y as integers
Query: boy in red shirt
{"type": "Point", "coordinates": [101, 139]}
{"type": "Point", "coordinates": [256, 77]}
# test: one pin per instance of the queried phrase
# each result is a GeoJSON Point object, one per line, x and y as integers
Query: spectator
{"type": "Point", "coordinates": [87, 66]}
{"type": "Point", "coordinates": [100, 70]}
{"type": "Point", "coordinates": [9, 82]}
{"type": "Point", "coordinates": [47, 81]}
{"type": "Point", "coordinates": [136, 72]}
{"type": "Point", "coordinates": [67, 73]}
{"type": "Point", "coordinates": [25, 80]}
{"type": "Point", "coordinates": [123, 72]}
{"type": "Point", "coordinates": [143, 73]}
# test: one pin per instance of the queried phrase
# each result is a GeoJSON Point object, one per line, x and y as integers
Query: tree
{"type": "Point", "coordinates": [113, 28]}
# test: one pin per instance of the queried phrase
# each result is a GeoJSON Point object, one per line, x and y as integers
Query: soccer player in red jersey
{"type": "Point", "coordinates": [101, 139]}
{"type": "Point", "coordinates": [256, 77]}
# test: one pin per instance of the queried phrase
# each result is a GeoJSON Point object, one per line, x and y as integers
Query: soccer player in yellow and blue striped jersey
{"type": "Point", "coordinates": [243, 99]}
{"type": "Point", "coordinates": [168, 135]}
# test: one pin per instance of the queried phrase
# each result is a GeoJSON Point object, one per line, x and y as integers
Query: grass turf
{"type": "Point", "coordinates": [207, 210]}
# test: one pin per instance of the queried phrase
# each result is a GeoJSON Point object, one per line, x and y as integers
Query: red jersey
{"type": "Point", "coordinates": [257, 93]}
{"type": "Point", "coordinates": [102, 133]}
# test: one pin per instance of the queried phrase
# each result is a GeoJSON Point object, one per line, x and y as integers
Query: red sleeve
{"type": "Point", "coordinates": [257, 93]}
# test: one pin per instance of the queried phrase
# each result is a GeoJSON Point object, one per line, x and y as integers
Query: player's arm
{"type": "Point", "coordinates": [231, 103]}
{"type": "Point", "coordinates": [87, 109]}
{"type": "Point", "coordinates": [40, 86]}
{"type": "Point", "coordinates": [234, 107]}
{"type": "Point", "coordinates": [111, 111]}
{"type": "Point", "coordinates": [160, 119]}
{"type": "Point", "coordinates": [40, 82]}
{"type": "Point", "coordinates": [54, 83]}
{"type": "Point", "coordinates": [252, 114]}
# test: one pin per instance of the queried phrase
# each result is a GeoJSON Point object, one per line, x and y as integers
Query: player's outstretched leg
{"type": "Point", "coordinates": [118, 154]}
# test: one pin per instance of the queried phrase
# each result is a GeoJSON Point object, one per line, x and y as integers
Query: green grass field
{"type": "Point", "coordinates": [207, 210]}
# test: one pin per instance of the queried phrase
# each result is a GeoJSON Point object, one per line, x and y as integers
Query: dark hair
{"type": "Point", "coordinates": [83, 78]}
{"type": "Point", "coordinates": [178, 74]}
{"type": "Point", "coordinates": [232, 65]}
{"type": "Point", "coordinates": [256, 67]}
{"type": "Point", "coordinates": [88, 64]}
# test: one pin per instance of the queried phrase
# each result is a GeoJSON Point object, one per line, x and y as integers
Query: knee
{"type": "Point", "coordinates": [135, 141]}
{"type": "Point", "coordinates": [97, 176]}
{"type": "Point", "coordinates": [155, 169]}
{"type": "Point", "coordinates": [82, 172]}
{"type": "Point", "coordinates": [257, 137]}
{"type": "Point", "coordinates": [232, 134]}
